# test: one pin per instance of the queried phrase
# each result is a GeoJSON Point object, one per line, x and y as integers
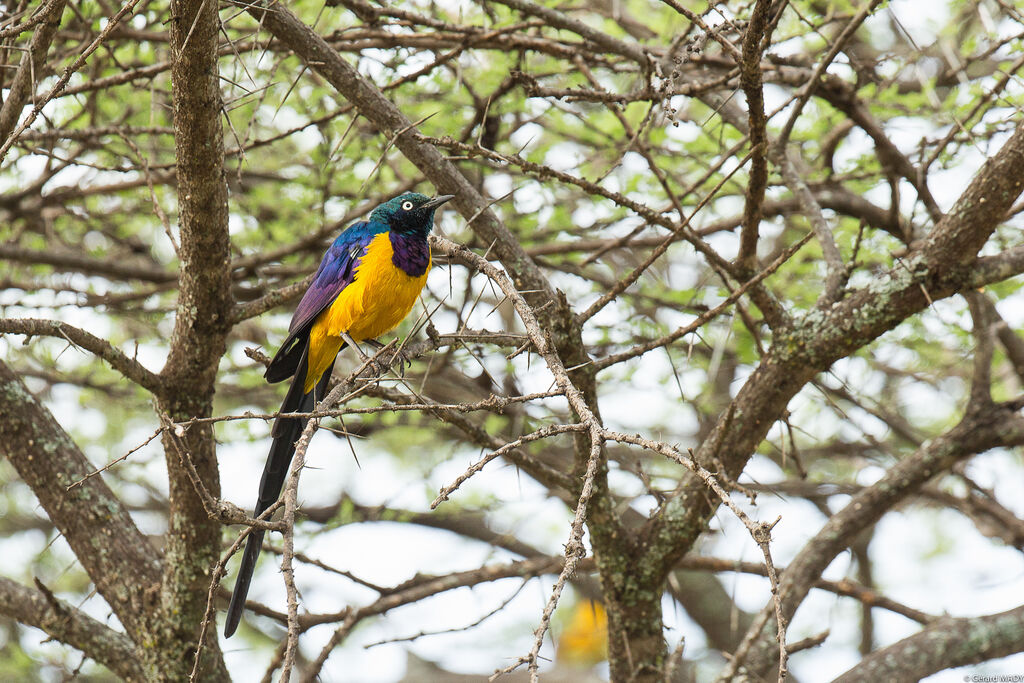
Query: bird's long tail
{"type": "Point", "coordinates": [286, 432]}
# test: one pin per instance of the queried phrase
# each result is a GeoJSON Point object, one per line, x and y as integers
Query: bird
{"type": "Point", "coordinates": [368, 281]}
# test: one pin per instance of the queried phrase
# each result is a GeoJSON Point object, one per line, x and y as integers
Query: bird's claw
{"type": "Point", "coordinates": [401, 358]}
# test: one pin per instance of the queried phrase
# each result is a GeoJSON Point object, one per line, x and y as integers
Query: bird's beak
{"type": "Point", "coordinates": [437, 201]}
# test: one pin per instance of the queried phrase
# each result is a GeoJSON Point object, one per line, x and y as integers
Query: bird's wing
{"type": "Point", "coordinates": [336, 271]}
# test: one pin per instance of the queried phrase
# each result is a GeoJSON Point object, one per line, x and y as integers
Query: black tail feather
{"type": "Point", "coordinates": [286, 432]}
{"type": "Point", "coordinates": [286, 361]}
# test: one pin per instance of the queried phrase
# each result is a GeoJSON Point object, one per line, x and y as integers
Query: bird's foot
{"type": "Point", "coordinates": [399, 357]}
{"type": "Point", "coordinates": [403, 360]}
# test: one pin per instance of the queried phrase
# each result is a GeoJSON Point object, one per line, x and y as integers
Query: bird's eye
{"type": "Point", "coordinates": [407, 206]}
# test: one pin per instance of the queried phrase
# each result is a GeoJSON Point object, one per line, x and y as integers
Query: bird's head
{"type": "Point", "coordinates": [410, 213]}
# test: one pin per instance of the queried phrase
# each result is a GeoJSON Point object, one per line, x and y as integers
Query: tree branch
{"type": "Point", "coordinates": [750, 81]}
{"type": "Point", "coordinates": [560, 20]}
{"type": "Point", "coordinates": [945, 644]}
{"type": "Point", "coordinates": [62, 622]}
{"type": "Point", "coordinates": [129, 367]}
{"type": "Point", "coordinates": [32, 67]}
{"type": "Point", "coordinates": [101, 533]}
{"type": "Point", "coordinates": [201, 324]}
{"type": "Point", "coordinates": [79, 263]}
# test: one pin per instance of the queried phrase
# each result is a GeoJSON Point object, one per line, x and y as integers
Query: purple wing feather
{"type": "Point", "coordinates": [336, 271]}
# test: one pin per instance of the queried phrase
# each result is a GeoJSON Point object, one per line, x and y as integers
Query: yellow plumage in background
{"type": "Point", "coordinates": [584, 642]}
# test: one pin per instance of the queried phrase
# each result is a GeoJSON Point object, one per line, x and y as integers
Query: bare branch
{"type": "Point", "coordinates": [558, 19]}
{"type": "Point", "coordinates": [129, 367]}
{"type": "Point", "coordinates": [97, 526]}
{"type": "Point", "coordinates": [750, 79]}
{"type": "Point", "coordinates": [22, 87]}
{"type": "Point", "coordinates": [944, 644]}
{"type": "Point", "coordinates": [62, 622]}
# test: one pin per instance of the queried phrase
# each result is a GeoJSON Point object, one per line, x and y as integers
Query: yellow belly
{"type": "Point", "coordinates": [374, 303]}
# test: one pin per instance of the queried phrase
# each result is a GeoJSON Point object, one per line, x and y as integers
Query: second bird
{"type": "Point", "coordinates": [367, 283]}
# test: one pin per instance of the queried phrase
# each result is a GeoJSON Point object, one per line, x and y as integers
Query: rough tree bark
{"type": "Point", "coordinates": [202, 322]}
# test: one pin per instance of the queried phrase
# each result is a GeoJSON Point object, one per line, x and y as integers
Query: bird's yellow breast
{"type": "Point", "coordinates": [379, 298]}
